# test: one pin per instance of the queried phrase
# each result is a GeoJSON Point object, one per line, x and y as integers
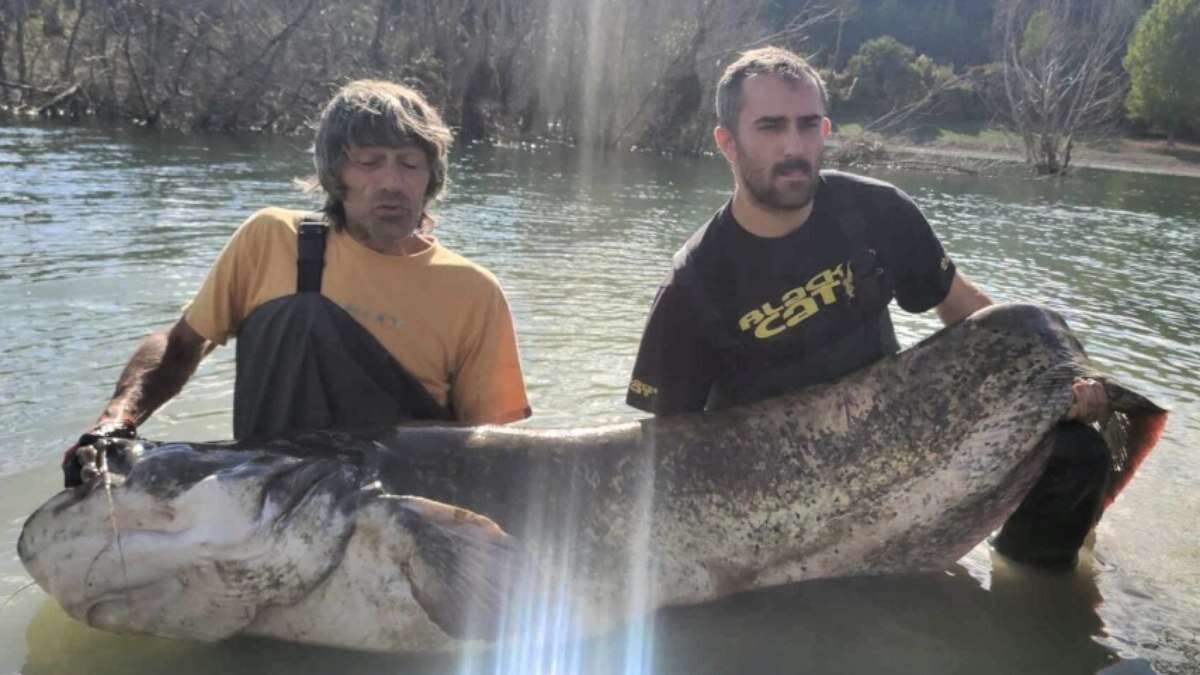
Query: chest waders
{"type": "Point", "coordinates": [304, 363]}
{"type": "Point", "coordinates": [814, 355]}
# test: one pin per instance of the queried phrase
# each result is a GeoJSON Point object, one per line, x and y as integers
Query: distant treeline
{"type": "Point", "coordinates": [617, 73]}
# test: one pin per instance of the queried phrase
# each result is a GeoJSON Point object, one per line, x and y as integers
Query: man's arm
{"type": "Point", "coordinates": [963, 300]}
{"type": "Point", "coordinates": [160, 367]}
{"type": "Point", "coordinates": [162, 364]}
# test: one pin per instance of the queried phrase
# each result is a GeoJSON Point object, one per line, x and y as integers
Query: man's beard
{"type": "Point", "coordinates": [767, 194]}
{"type": "Point", "coordinates": [393, 228]}
{"type": "Point", "coordinates": [402, 224]}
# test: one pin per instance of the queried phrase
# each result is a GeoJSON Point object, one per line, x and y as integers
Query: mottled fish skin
{"type": "Point", "coordinates": [419, 537]}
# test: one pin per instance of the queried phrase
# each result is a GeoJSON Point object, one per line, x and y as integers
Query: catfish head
{"type": "Point", "coordinates": [196, 541]}
{"type": "Point", "coordinates": [164, 531]}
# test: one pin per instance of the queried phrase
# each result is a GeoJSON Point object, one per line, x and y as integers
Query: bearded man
{"type": "Point", "coordinates": [789, 284]}
{"type": "Point", "coordinates": [349, 318]}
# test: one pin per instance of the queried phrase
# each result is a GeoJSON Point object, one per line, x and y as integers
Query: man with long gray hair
{"type": "Point", "coordinates": [348, 318]}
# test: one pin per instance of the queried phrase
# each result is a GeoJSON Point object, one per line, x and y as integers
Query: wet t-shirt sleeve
{"type": "Point", "coordinates": [921, 269]}
{"type": "Point", "coordinates": [674, 368]}
{"type": "Point", "coordinates": [221, 304]}
{"type": "Point", "coordinates": [489, 386]}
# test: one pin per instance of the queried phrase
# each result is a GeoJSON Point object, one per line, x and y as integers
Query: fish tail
{"type": "Point", "coordinates": [1131, 431]}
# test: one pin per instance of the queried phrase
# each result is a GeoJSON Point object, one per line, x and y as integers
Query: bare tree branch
{"type": "Point", "coordinates": [1058, 73]}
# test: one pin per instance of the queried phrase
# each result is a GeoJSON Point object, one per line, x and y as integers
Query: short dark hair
{"type": "Point", "coordinates": [376, 112]}
{"type": "Point", "coordinates": [775, 61]}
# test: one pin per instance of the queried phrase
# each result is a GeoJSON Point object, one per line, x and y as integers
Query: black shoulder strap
{"type": "Point", "coordinates": [310, 262]}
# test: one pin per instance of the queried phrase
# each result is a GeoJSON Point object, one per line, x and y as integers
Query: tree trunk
{"type": "Point", "coordinates": [382, 18]}
{"type": "Point", "coordinates": [109, 69]}
{"type": "Point", "coordinates": [19, 8]}
{"type": "Point", "coordinates": [837, 40]}
{"type": "Point", "coordinates": [4, 91]}
{"type": "Point", "coordinates": [68, 68]}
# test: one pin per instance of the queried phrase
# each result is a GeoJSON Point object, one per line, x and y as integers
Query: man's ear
{"type": "Point", "coordinates": [725, 143]}
{"type": "Point", "coordinates": [826, 127]}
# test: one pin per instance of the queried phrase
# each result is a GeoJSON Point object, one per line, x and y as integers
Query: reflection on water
{"type": "Point", "coordinates": [1026, 622]}
{"type": "Point", "coordinates": [104, 235]}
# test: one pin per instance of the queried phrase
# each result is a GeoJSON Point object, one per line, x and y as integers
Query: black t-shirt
{"type": "Point", "coordinates": [742, 317]}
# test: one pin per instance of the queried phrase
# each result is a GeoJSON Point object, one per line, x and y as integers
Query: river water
{"type": "Point", "coordinates": [104, 235]}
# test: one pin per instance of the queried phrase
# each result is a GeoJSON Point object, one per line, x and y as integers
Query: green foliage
{"type": "Point", "coordinates": [1038, 37]}
{"type": "Point", "coordinates": [1162, 59]}
{"type": "Point", "coordinates": [884, 75]}
{"type": "Point", "coordinates": [953, 31]}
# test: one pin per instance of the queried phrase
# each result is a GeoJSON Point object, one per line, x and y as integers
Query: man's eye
{"type": "Point", "coordinates": [368, 161]}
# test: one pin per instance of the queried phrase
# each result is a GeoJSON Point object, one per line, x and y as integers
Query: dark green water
{"type": "Point", "coordinates": [104, 236]}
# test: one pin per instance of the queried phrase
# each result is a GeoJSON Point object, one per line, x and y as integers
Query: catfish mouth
{"type": "Point", "coordinates": [86, 543]}
{"type": "Point", "coordinates": [90, 572]}
{"type": "Point", "coordinates": [128, 609]}
{"type": "Point", "coordinates": [109, 615]}
{"type": "Point", "coordinates": [112, 548]}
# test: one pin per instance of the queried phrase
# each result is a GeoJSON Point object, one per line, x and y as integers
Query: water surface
{"type": "Point", "coordinates": [105, 235]}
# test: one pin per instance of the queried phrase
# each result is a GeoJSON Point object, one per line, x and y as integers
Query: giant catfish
{"type": "Point", "coordinates": [417, 537]}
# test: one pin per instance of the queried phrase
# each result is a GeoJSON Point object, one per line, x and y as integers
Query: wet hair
{"type": "Point", "coordinates": [376, 113]}
{"type": "Point", "coordinates": [773, 61]}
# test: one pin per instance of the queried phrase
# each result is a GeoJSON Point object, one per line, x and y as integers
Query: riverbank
{"type": "Point", "coordinates": [978, 149]}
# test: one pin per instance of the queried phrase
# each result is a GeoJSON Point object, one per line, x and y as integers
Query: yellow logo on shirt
{"type": "Point", "coordinates": [800, 303]}
{"type": "Point", "coordinates": [642, 389]}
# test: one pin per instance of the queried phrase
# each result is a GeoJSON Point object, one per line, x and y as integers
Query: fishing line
{"type": "Point", "coordinates": [17, 592]}
{"type": "Point", "coordinates": [112, 514]}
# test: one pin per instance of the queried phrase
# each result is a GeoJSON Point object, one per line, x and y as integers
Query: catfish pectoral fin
{"type": "Point", "coordinates": [465, 568]}
{"type": "Point", "coordinates": [1131, 432]}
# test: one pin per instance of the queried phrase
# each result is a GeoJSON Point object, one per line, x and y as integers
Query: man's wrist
{"type": "Point", "coordinates": [118, 427]}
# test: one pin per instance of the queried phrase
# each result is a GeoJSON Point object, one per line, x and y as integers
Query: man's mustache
{"type": "Point", "coordinates": [394, 199]}
{"type": "Point", "coordinates": [792, 165]}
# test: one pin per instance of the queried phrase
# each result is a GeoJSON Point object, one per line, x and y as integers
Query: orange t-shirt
{"type": "Point", "coordinates": [444, 318]}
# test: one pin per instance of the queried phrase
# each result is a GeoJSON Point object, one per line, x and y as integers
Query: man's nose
{"type": "Point", "coordinates": [793, 142]}
{"type": "Point", "coordinates": [392, 175]}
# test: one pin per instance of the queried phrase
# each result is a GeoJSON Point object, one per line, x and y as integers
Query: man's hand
{"type": "Point", "coordinates": [159, 368]}
{"type": "Point", "coordinates": [78, 466]}
{"type": "Point", "coordinates": [1091, 401]}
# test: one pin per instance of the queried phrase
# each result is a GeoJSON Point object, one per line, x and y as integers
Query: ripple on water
{"type": "Point", "coordinates": [106, 235]}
